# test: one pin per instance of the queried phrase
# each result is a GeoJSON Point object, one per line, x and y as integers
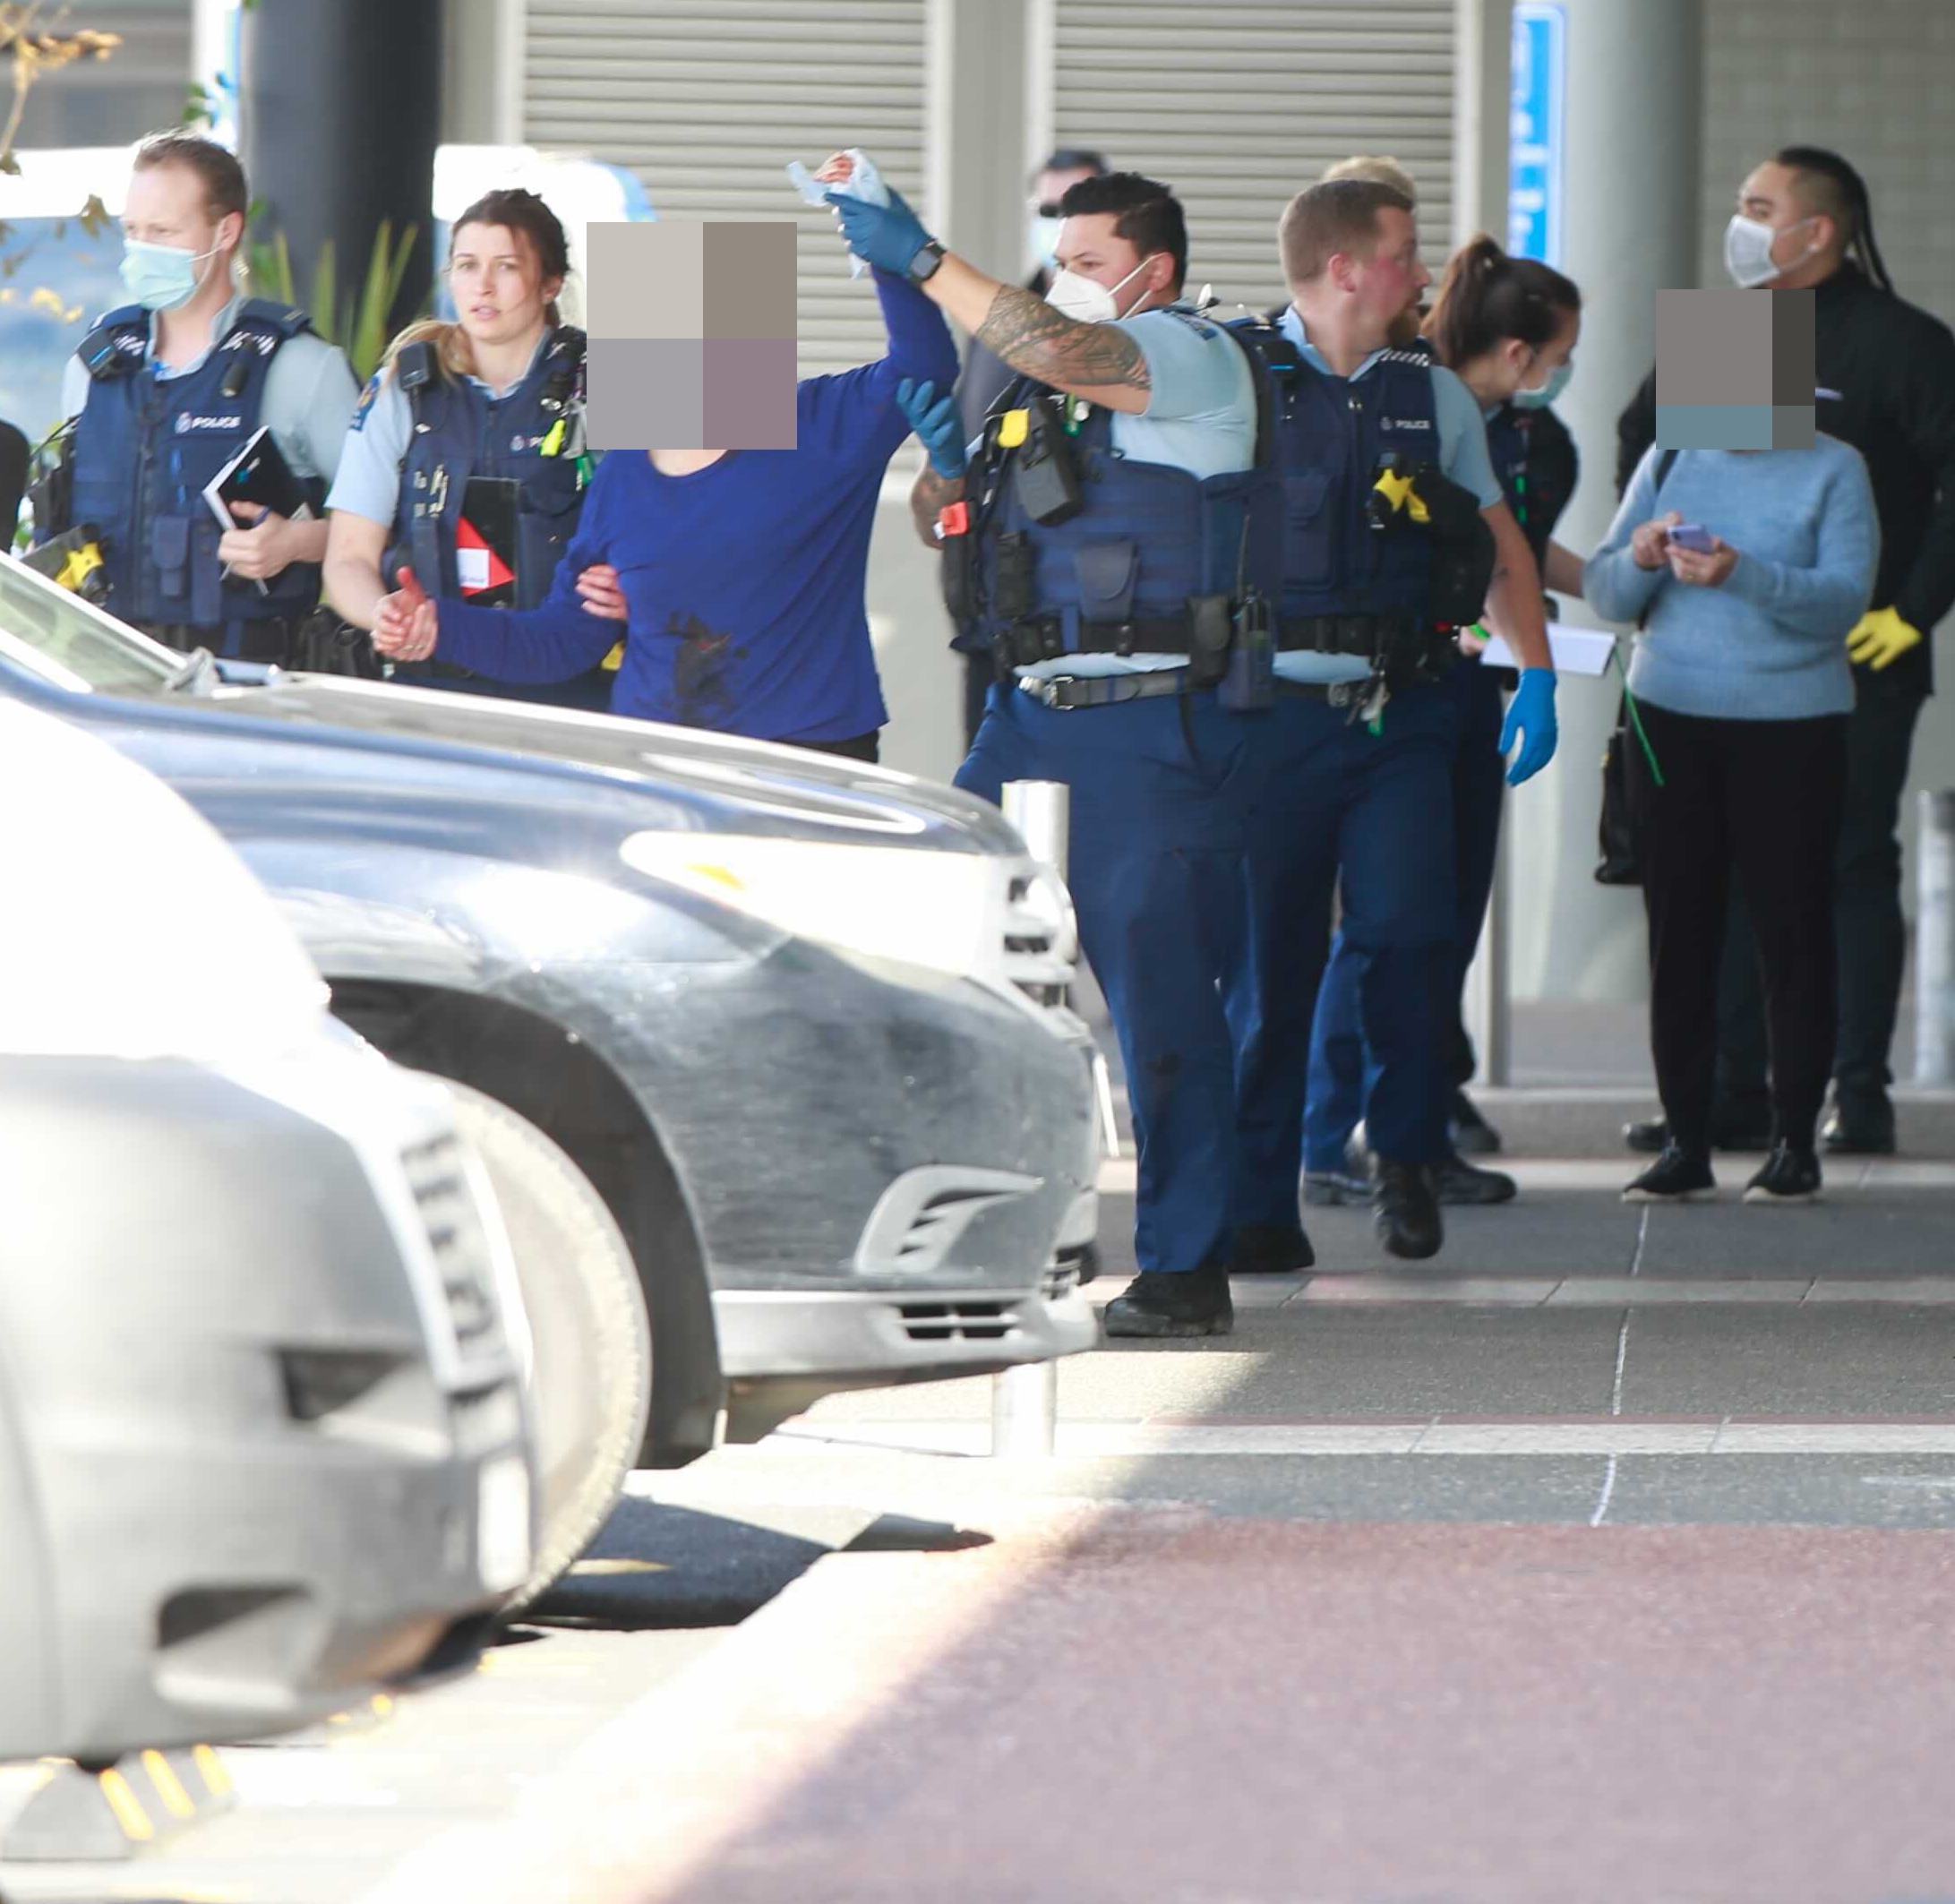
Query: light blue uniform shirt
{"type": "Point", "coordinates": [1200, 417]}
{"type": "Point", "coordinates": [309, 394]}
{"type": "Point", "coordinates": [1461, 455]}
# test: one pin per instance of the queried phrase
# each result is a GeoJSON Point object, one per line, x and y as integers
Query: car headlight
{"type": "Point", "coordinates": [920, 907]}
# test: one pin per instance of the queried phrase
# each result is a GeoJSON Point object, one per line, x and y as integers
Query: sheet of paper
{"type": "Point", "coordinates": [1576, 650]}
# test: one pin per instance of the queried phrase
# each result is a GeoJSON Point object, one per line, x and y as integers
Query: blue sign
{"type": "Point", "coordinates": [1534, 132]}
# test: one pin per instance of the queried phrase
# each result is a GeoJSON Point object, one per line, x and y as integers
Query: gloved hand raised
{"type": "Point", "coordinates": [1881, 637]}
{"type": "Point", "coordinates": [885, 235]}
{"type": "Point", "coordinates": [1532, 715]}
{"type": "Point", "coordinates": [938, 427]}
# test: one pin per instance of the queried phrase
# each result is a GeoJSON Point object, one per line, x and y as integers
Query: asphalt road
{"type": "Point", "coordinates": [1611, 1557]}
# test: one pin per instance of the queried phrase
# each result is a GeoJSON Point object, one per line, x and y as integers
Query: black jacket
{"type": "Point", "coordinates": [1893, 368]}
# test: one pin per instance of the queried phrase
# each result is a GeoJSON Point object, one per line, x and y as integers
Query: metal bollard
{"type": "Point", "coordinates": [1935, 941]}
{"type": "Point", "coordinates": [1025, 1401]}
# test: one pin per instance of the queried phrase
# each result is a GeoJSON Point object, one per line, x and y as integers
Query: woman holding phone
{"type": "Point", "coordinates": [1745, 585]}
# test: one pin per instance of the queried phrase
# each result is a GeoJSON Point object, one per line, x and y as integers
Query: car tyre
{"type": "Point", "coordinates": [590, 1380]}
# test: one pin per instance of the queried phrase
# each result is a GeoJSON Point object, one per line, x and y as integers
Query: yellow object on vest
{"type": "Point", "coordinates": [1012, 428]}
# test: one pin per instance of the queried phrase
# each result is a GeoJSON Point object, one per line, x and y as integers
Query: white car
{"type": "Point", "coordinates": [262, 1435]}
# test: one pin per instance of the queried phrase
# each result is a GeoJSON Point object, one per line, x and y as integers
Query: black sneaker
{"type": "Point", "coordinates": [1405, 1210]}
{"type": "Point", "coordinates": [1162, 1302]}
{"type": "Point", "coordinates": [1789, 1177]}
{"type": "Point", "coordinates": [1860, 1129]}
{"type": "Point", "coordinates": [1461, 1182]}
{"type": "Point", "coordinates": [1472, 1135]}
{"type": "Point", "coordinates": [1651, 1136]}
{"type": "Point", "coordinates": [1678, 1176]}
{"type": "Point", "coordinates": [1269, 1249]}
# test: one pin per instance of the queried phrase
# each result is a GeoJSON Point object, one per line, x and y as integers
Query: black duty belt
{"type": "Point", "coordinates": [1066, 691]}
{"type": "Point", "coordinates": [1143, 634]}
{"type": "Point", "coordinates": [1336, 693]}
{"type": "Point", "coordinates": [272, 637]}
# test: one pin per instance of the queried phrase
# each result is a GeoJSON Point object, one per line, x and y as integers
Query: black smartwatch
{"type": "Point", "coordinates": [923, 266]}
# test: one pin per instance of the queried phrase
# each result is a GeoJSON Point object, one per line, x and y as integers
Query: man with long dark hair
{"type": "Point", "coordinates": [1886, 375]}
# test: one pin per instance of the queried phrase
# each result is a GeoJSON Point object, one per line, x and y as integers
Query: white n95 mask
{"type": "Point", "coordinates": [1747, 251]}
{"type": "Point", "coordinates": [1086, 300]}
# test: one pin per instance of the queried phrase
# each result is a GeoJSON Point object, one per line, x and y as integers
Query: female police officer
{"type": "Point", "coordinates": [498, 394]}
{"type": "Point", "coordinates": [1507, 328]}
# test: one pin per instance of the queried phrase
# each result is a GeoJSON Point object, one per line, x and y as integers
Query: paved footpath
{"type": "Point", "coordinates": [1611, 1557]}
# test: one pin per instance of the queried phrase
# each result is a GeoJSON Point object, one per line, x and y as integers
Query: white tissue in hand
{"type": "Point", "coordinates": [863, 182]}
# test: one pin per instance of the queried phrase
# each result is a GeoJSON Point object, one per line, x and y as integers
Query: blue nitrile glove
{"type": "Point", "coordinates": [1533, 714]}
{"type": "Point", "coordinates": [938, 426]}
{"type": "Point", "coordinates": [885, 235]}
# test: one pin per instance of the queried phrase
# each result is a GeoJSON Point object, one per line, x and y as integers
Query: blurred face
{"type": "Point", "coordinates": [1089, 247]}
{"type": "Point", "coordinates": [167, 205]}
{"type": "Point", "coordinates": [501, 294]}
{"type": "Point", "coordinates": [1389, 283]}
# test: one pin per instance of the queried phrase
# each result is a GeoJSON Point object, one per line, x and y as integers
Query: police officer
{"type": "Point", "coordinates": [166, 389]}
{"type": "Point", "coordinates": [1111, 537]}
{"type": "Point", "coordinates": [1508, 327]}
{"type": "Point", "coordinates": [1391, 507]}
{"type": "Point", "coordinates": [499, 395]}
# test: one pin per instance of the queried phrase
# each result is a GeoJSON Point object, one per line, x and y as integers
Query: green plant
{"type": "Point", "coordinates": [358, 322]}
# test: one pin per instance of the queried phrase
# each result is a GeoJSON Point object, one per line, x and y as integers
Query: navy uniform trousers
{"type": "Point", "coordinates": [1339, 1070]}
{"type": "Point", "coordinates": [1373, 813]}
{"type": "Point", "coordinates": [1165, 798]}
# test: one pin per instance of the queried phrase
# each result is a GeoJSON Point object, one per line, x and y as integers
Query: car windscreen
{"type": "Point", "coordinates": [75, 644]}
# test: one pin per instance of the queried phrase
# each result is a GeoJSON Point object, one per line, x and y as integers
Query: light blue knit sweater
{"type": "Point", "coordinates": [1768, 644]}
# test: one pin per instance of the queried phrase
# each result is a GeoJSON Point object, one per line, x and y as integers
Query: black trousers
{"type": "Point", "coordinates": [1870, 932]}
{"type": "Point", "coordinates": [860, 746]}
{"type": "Point", "coordinates": [1754, 805]}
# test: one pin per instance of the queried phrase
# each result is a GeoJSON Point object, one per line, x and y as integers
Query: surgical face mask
{"type": "Point", "coordinates": [1539, 399]}
{"type": "Point", "coordinates": [1747, 251]}
{"type": "Point", "coordinates": [1086, 300]}
{"type": "Point", "coordinates": [161, 276]}
{"type": "Point", "coordinates": [1045, 234]}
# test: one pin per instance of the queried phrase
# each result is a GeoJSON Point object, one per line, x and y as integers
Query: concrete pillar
{"type": "Point", "coordinates": [1632, 194]}
{"type": "Point", "coordinates": [340, 116]}
{"type": "Point", "coordinates": [1483, 35]}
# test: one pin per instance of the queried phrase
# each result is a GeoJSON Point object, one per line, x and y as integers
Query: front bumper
{"type": "Point", "coordinates": [783, 1351]}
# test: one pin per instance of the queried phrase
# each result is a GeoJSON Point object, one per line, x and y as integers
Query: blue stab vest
{"type": "Point", "coordinates": [1119, 575]}
{"type": "Point", "coordinates": [1333, 433]}
{"type": "Point", "coordinates": [1534, 458]}
{"type": "Point", "coordinates": [460, 432]}
{"type": "Point", "coordinates": [144, 449]}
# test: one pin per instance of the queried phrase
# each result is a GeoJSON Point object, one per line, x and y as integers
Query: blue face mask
{"type": "Point", "coordinates": [161, 276]}
{"type": "Point", "coordinates": [1557, 382]}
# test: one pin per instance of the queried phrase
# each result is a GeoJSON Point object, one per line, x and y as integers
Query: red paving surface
{"type": "Point", "coordinates": [1170, 1708]}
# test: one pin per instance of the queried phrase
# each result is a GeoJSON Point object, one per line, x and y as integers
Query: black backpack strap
{"type": "Point", "coordinates": [287, 320]}
{"type": "Point", "coordinates": [1663, 464]}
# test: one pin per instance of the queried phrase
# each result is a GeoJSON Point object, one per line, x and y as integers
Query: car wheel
{"type": "Point", "coordinates": [590, 1383]}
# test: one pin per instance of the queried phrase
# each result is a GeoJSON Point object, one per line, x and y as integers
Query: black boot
{"type": "Point", "coordinates": [1405, 1210]}
{"type": "Point", "coordinates": [1472, 1135]}
{"type": "Point", "coordinates": [1162, 1302]}
{"type": "Point", "coordinates": [1860, 1128]}
{"type": "Point", "coordinates": [1270, 1250]}
{"type": "Point", "coordinates": [1461, 1182]}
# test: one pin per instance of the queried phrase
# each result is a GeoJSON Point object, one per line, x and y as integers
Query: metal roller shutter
{"type": "Point", "coordinates": [1238, 106]}
{"type": "Point", "coordinates": [707, 100]}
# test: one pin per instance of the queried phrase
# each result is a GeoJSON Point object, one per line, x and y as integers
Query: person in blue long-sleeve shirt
{"type": "Point", "coordinates": [742, 570]}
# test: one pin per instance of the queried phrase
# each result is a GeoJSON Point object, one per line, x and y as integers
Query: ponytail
{"type": "Point", "coordinates": [1487, 296]}
{"type": "Point", "coordinates": [1842, 197]}
{"type": "Point", "coordinates": [452, 350]}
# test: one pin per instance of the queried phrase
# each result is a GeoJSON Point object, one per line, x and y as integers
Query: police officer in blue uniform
{"type": "Point", "coordinates": [165, 390]}
{"type": "Point", "coordinates": [1508, 327]}
{"type": "Point", "coordinates": [1118, 536]}
{"type": "Point", "coordinates": [499, 395]}
{"type": "Point", "coordinates": [1385, 558]}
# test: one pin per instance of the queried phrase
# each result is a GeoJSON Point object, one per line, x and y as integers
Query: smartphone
{"type": "Point", "coordinates": [1692, 535]}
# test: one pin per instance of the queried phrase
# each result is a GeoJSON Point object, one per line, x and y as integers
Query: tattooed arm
{"type": "Point", "coordinates": [1099, 362]}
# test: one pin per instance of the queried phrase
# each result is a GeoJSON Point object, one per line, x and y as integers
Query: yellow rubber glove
{"type": "Point", "coordinates": [1881, 637]}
